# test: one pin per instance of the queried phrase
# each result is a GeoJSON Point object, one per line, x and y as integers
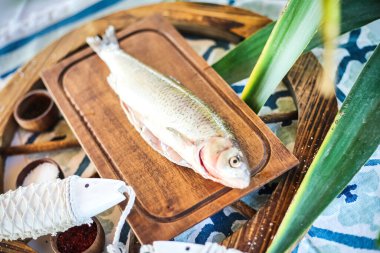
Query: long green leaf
{"type": "Point", "coordinates": [352, 139]}
{"type": "Point", "coordinates": [239, 62]}
{"type": "Point", "coordinates": [290, 36]}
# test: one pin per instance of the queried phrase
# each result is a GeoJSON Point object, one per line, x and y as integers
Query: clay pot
{"type": "Point", "coordinates": [96, 247]}
{"type": "Point", "coordinates": [36, 111]}
{"type": "Point", "coordinates": [31, 166]}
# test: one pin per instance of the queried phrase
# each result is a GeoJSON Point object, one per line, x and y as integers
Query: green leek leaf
{"type": "Point", "coordinates": [239, 62]}
{"type": "Point", "coordinates": [351, 140]}
{"type": "Point", "coordinates": [289, 37]}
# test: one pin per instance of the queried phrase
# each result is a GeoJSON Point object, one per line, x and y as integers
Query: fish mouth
{"type": "Point", "coordinates": [239, 183]}
{"type": "Point", "coordinates": [122, 188]}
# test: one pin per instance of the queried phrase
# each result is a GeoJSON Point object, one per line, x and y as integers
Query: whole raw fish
{"type": "Point", "coordinates": [172, 119]}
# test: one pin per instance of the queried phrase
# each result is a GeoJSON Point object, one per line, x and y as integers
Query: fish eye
{"type": "Point", "coordinates": [235, 161]}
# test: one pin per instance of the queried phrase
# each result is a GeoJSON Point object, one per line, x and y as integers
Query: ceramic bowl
{"type": "Point", "coordinates": [96, 247]}
{"type": "Point", "coordinates": [31, 166]}
{"type": "Point", "coordinates": [36, 111]}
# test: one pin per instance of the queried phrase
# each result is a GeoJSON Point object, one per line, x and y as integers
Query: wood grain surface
{"type": "Point", "coordinates": [39, 147]}
{"type": "Point", "coordinates": [170, 198]}
{"type": "Point", "coordinates": [15, 247]}
{"type": "Point", "coordinates": [211, 20]}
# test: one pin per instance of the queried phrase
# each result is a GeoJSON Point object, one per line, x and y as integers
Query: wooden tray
{"type": "Point", "coordinates": [170, 198]}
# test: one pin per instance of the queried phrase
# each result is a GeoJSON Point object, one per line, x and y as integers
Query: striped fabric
{"type": "Point", "coordinates": [350, 224]}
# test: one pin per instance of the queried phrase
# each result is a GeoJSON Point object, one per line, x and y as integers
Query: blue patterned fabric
{"type": "Point", "coordinates": [351, 222]}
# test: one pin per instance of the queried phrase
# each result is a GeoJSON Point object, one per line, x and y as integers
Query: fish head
{"type": "Point", "coordinates": [223, 161]}
{"type": "Point", "coordinates": [91, 196]}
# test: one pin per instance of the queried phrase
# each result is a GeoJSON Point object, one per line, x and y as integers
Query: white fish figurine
{"type": "Point", "coordinates": [55, 206]}
{"type": "Point", "coordinates": [171, 118]}
{"type": "Point", "coordinates": [185, 247]}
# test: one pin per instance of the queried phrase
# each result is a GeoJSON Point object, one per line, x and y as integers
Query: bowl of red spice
{"type": "Point", "coordinates": [87, 238]}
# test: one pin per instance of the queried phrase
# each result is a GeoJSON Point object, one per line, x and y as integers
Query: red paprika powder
{"type": "Point", "coordinates": [77, 239]}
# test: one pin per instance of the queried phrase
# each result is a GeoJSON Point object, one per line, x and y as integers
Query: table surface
{"type": "Point", "coordinates": [350, 224]}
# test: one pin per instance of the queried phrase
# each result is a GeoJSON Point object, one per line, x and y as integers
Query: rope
{"type": "Point", "coordinates": [117, 246]}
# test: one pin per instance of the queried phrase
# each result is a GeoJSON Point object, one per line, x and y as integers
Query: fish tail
{"type": "Point", "coordinates": [108, 42]}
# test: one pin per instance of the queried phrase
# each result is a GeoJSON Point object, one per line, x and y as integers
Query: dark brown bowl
{"type": "Point", "coordinates": [36, 111]}
{"type": "Point", "coordinates": [96, 247]}
{"type": "Point", "coordinates": [28, 168]}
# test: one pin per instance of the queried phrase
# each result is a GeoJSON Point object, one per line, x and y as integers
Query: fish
{"type": "Point", "coordinates": [57, 205]}
{"type": "Point", "coordinates": [172, 119]}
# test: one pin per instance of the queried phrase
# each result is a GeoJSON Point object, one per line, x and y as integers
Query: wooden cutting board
{"type": "Point", "coordinates": [170, 198]}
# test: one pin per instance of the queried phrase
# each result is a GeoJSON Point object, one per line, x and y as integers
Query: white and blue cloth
{"type": "Point", "coordinates": [352, 221]}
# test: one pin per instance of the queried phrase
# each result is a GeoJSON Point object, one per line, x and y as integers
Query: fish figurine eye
{"type": "Point", "coordinates": [235, 162]}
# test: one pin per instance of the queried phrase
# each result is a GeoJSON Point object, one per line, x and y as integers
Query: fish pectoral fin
{"type": "Point", "coordinates": [162, 148]}
{"type": "Point", "coordinates": [180, 137]}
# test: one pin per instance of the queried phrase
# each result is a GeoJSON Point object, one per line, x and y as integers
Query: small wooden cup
{"type": "Point", "coordinates": [31, 166]}
{"type": "Point", "coordinates": [36, 111]}
{"type": "Point", "coordinates": [96, 247]}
